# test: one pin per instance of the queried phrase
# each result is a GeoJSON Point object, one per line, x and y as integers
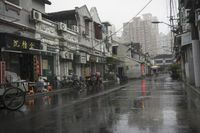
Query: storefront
{"type": "Point", "coordinates": [66, 63]}
{"type": "Point", "coordinates": [50, 59]}
{"type": "Point", "coordinates": [46, 31]}
{"type": "Point", "coordinates": [68, 56]}
{"type": "Point", "coordinates": [85, 68]}
{"type": "Point", "coordinates": [80, 64]}
{"type": "Point", "coordinates": [100, 64]}
{"type": "Point", "coordinates": [20, 55]}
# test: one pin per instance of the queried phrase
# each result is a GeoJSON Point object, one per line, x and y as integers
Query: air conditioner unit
{"type": "Point", "coordinates": [63, 54]}
{"type": "Point", "coordinates": [36, 15]}
{"type": "Point", "coordinates": [70, 56]}
{"type": "Point", "coordinates": [75, 28]}
{"type": "Point", "coordinates": [66, 55]}
{"type": "Point", "coordinates": [44, 47]}
{"type": "Point", "coordinates": [62, 26]}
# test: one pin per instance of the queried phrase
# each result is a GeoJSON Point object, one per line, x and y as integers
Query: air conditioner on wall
{"type": "Point", "coordinates": [44, 47]}
{"type": "Point", "coordinates": [36, 15]}
{"type": "Point", "coordinates": [70, 56]}
{"type": "Point", "coordinates": [75, 28]}
{"type": "Point", "coordinates": [66, 55]}
{"type": "Point", "coordinates": [62, 26]}
{"type": "Point", "coordinates": [63, 54]}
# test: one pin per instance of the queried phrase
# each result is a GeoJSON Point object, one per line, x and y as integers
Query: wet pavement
{"type": "Point", "coordinates": [152, 105]}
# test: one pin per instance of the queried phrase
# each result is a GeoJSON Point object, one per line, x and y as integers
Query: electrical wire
{"type": "Point", "coordinates": [126, 23]}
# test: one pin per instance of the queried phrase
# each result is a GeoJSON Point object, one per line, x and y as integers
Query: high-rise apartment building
{"type": "Point", "coordinates": [142, 31]}
{"type": "Point", "coordinates": [164, 43]}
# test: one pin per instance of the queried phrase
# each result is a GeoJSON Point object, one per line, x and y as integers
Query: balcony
{"type": "Point", "coordinates": [70, 36]}
{"type": "Point", "coordinates": [86, 41]}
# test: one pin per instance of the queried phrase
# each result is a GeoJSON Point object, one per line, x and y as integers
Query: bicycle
{"type": "Point", "coordinates": [94, 84]}
{"type": "Point", "coordinates": [13, 97]}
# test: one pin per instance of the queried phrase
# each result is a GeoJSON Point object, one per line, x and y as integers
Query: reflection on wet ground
{"type": "Point", "coordinates": [153, 105]}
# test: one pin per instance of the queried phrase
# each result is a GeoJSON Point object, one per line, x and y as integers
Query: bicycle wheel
{"type": "Point", "coordinates": [13, 98]}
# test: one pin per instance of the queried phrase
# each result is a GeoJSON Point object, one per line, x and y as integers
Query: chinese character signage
{"type": "Point", "coordinates": [11, 41]}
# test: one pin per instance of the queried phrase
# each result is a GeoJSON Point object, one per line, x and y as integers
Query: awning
{"type": "Point", "coordinates": [155, 67]}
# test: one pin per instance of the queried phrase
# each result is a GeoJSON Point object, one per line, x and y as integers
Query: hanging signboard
{"type": "Point", "coordinates": [14, 42]}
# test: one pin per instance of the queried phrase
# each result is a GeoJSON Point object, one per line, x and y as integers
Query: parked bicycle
{"type": "Point", "coordinates": [94, 83]}
{"type": "Point", "coordinates": [12, 97]}
{"type": "Point", "coordinates": [74, 83]}
{"type": "Point", "coordinates": [78, 84]}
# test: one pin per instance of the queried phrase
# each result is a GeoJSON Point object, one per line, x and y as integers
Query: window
{"type": "Point", "coordinates": [97, 31]}
{"type": "Point", "coordinates": [114, 50]}
{"type": "Point", "coordinates": [127, 67]}
{"type": "Point", "coordinates": [168, 61]}
{"type": "Point", "coordinates": [86, 27]}
{"type": "Point", "coordinates": [158, 61]}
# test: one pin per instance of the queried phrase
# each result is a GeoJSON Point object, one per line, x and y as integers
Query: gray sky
{"type": "Point", "coordinates": [117, 11]}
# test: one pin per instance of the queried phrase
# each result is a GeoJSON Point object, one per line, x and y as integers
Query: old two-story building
{"type": "Point", "coordinates": [81, 42]}
{"type": "Point", "coordinates": [35, 43]}
{"type": "Point", "coordinates": [29, 42]}
{"type": "Point", "coordinates": [130, 61]}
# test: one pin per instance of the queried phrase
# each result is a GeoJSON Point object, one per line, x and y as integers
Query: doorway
{"type": "Point", "coordinates": [26, 67]}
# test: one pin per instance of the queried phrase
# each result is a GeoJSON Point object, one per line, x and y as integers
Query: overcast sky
{"type": "Point", "coordinates": [117, 11]}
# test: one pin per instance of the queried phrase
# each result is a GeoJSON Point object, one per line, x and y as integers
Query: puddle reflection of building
{"type": "Point", "coordinates": [143, 87]}
{"type": "Point", "coordinates": [139, 103]}
{"type": "Point", "coordinates": [44, 101]}
{"type": "Point", "coordinates": [146, 110]}
{"type": "Point", "coordinates": [47, 100]}
{"type": "Point", "coordinates": [30, 104]}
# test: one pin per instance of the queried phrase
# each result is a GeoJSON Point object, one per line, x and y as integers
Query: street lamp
{"type": "Point", "coordinates": [175, 29]}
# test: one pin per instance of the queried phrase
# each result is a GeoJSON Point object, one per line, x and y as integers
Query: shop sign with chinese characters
{"type": "Point", "coordinates": [11, 41]}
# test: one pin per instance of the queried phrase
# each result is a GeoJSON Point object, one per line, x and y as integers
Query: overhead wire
{"type": "Point", "coordinates": [126, 23]}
